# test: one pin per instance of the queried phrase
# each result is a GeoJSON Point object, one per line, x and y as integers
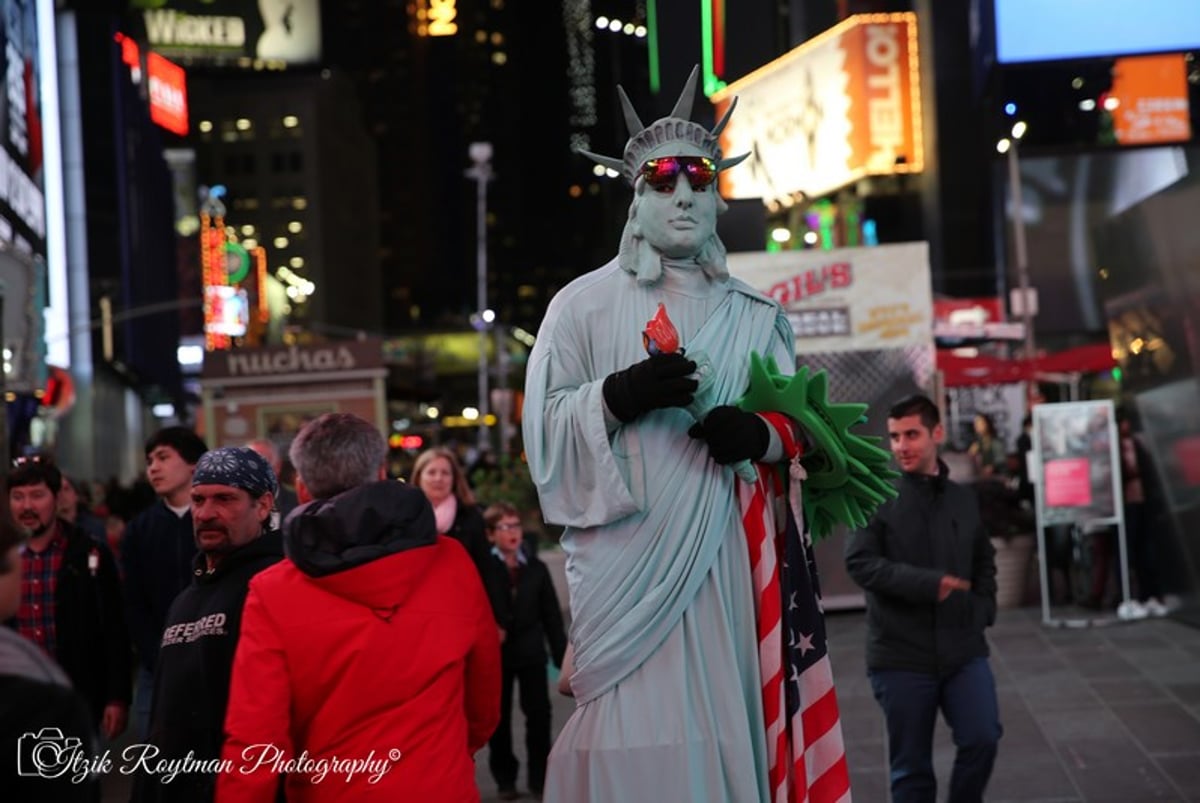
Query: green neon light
{"type": "Point", "coordinates": [652, 36]}
{"type": "Point", "coordinates": [711, 82]}
{"type": "Point", "coordinates": [240, 268]}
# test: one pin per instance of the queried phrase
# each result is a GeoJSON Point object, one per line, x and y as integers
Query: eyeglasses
{"type": "Point", "coordinates": [661, 174]}
{"type": "Point", "coordinates": [508, 526]}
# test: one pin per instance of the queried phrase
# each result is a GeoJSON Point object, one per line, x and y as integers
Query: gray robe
{"type": "Point", "coordinates": [663, 621]}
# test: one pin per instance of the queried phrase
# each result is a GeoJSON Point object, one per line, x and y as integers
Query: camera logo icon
{"type": "Point", "coordinates": [46, 754]}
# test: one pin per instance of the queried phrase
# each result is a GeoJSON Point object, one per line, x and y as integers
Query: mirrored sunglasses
{"type": "Point", "coordinates": [662, 173]}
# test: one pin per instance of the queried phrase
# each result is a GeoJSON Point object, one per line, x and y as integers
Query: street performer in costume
{"type": "Point", "coordinates": [661, 438]}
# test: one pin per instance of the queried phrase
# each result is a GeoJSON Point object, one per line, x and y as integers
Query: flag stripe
{"type": "Point", "coordinates": [805, 750]}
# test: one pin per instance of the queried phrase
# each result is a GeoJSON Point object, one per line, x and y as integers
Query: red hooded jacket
{"type": "Point", "coordinates": [369, 662]}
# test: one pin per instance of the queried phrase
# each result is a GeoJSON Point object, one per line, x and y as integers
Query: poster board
{"type": "Point", "coordinates": [865, 316]}
{"type": "Point", "coordinates": [1078, 469]}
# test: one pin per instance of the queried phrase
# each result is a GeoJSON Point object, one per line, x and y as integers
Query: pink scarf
{"type": "Point", "coordinates": [445, 511]}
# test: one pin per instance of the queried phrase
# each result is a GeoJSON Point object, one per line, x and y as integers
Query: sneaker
{"type": "Point", "coordinates": [1130, 610]}
{"type": "Point", "coordinates": [1154, 607]}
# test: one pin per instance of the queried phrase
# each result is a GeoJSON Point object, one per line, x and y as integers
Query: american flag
{"type": "Point", "coordinates": [806, 754]}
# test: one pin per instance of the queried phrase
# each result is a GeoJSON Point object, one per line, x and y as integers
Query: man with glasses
{"type": "Point", "coordinates": [525, 605]}
{"type": "Point", "coordinates": [70, 596]}
{"type": "Point", "coordinates": [667, 677]}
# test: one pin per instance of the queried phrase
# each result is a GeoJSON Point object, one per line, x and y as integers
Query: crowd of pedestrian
{"type": "Point", "coordinates": [355, 624]}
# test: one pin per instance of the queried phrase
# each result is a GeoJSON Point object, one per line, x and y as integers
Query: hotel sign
{"type": "Point", "coordinates": [840, 107]}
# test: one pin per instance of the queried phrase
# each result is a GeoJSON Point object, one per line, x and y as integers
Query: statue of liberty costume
{"type": "Point", "coordinates": [667, 677]}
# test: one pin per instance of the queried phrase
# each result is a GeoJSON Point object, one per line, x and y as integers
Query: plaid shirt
{"type": "Point", "coordinates": [39, 576]}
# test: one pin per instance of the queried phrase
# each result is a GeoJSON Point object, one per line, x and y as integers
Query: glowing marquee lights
{"type": "Point", "coordinates": [435, 17]}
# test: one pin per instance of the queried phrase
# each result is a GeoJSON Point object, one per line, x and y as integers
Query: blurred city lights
{"type": "Point", "coordinates": [296, 262]}
{"type": "Point", "coordinates": [1003, 145]}
{"type": "Point", "coordinates": [811, 237]}
{"type": "Point", "coordinates": [781, 235]}
{"type": "Point", "coordinates": [165, 410]}
{"type": "Point", "coordinates": [205, 126]}
{"type": "Point", "coordinates": [291, 121]}
{"type": "Point", "coordinates": [1111, 103]}
{"type": "Point", "coordinates": [489, 316]}
{"type": "Point", "coordinates": [598, 170]}
{"type": "Point", "coordinates": [242, 124]}
{"type": "Point", "coordinates": [295, 226]}
{"type": "Point", "coordinates": [1077, 83]}
{"type": "Point", "coordinates": [601, 22]}
{"type": "Point", "coordinates": [470, 413]}
{"type": "Point", "coordinates": [190, 355]}
{"type": "Point", "coordinates": [432, 412]}
{"type": "Point", "coordinates": [280, 242]}
{"type": "Point", "coordinates": [608, 171]}
{"type": "Point", "coordinates": [1087, 105]}
{"type": "Point", "coordinates": [614, 26]}
{"type": "Point", "coordinates": [640, 32]}
{"type": "Point", "coordinates": [250, 243]}
{"type": "Point", "coordinates": [1019, 128]}
{"type": "Point", "coordinates": [1010, 108]}
{"type": "Point", "coordinates": [247, 230]}
{"type": "Point", "coordinates": [628, 28]}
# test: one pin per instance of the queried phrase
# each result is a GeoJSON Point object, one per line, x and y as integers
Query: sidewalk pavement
{"type": "Point", "coordinates": [1107, 714]}
{"type": "Point", "coordinates": [1095, 715]}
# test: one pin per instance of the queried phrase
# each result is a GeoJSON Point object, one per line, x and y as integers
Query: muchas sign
{"type": "Point", "coordinates": [278, 361]}
{"type": "Point", "coordinates": [847, 299]}
{"type": "Point", "coordinates": [843, 105]}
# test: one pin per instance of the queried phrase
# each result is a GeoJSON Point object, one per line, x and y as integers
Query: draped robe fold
{"type": "Point", "coordinates": [663, 620]}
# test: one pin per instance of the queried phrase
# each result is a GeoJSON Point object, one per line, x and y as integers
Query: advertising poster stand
{"type": "Point", "coordinates": [1077, 474]}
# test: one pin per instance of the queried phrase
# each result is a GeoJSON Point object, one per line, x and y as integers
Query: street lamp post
{"type": "Point", "coordinates": [1009, 147]}
{"type": "Point", "coordinates": [481, 157]}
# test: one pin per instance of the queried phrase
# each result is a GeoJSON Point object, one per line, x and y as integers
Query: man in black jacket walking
{"type": "Point", "coordinates": [930, 575]}
{"type": "Point", "coordinates": [233, 491]}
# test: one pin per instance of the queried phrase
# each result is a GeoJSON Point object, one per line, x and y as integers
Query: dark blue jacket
{"type": "Point", "coordinates": [932, 529]}
{"type": "Point", "coordinates": [157, 558]}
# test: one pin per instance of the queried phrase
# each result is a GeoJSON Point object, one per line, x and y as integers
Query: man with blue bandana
{"type": "Point", "coordinates": [233, 493]}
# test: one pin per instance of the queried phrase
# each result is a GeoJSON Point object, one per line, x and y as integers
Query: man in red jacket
{"type": "Point", "coordinates": [369, 662]}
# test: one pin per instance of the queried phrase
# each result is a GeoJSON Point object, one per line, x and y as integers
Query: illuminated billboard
{"type": "Point", "coordinates": [167, 85]}
{"type": "Point", "coordinates": [1150, 100]}
{"type": "Point", "coordinates": [230, 32]}
{"type": "Point", "coordinates": [1059, 30]}
{"type": "Point", "coordinates": [842, 106]}
{"type": "Point", "coordinates": [22, 179]}
{"type": "Point", "coordinates": [433, 17]}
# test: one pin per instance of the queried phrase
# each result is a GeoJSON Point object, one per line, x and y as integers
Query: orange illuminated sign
{"type": "Point", "coordinates": [168, 94]}
{"type": "Point", "coordinates": [1151, 96]}
{"type": "Point", "coordinates": [435, 17]}
{"type": "Point", "coordinates": [842, 106]}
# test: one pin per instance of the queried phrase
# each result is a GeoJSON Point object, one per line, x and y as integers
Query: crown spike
{"type": "Point", "coordinates": [632, 121]}
{"type": "Point", "coordinates": [607, 161]}
{"type": "Point", "coordinates": [720, 126]}
{"type": "Point", "coordinates": [683, 106]}
{"type": "Point", "coordinates": [725, 164]}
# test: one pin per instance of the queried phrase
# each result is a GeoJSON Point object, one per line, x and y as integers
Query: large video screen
{"type": "Point", "coordinates": [1054, 30]}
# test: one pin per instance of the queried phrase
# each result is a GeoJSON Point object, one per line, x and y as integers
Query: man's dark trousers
{"type": "Point", "coordinates": [535, 704]}
{"type": "Point", "coordinates": [910, 701]}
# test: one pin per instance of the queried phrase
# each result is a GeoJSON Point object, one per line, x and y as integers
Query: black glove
{"type": "Point", "coordinates": [733, 434]}
{"type": "Point", "coordinates": [660, 381]}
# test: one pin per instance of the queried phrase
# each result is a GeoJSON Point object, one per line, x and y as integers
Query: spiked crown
{"type": "Point", "coordinates": [673, 135]}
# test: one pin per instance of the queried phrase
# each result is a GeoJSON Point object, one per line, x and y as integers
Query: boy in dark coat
{"type": "Point", "coordinates": [528, 615]}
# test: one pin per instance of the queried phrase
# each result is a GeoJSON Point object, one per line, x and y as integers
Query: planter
{"type": "Point", "coordinates": [1014, 556]}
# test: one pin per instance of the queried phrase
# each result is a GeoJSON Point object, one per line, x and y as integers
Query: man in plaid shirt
{"type": "Point", "coordinates": [71, 596]}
